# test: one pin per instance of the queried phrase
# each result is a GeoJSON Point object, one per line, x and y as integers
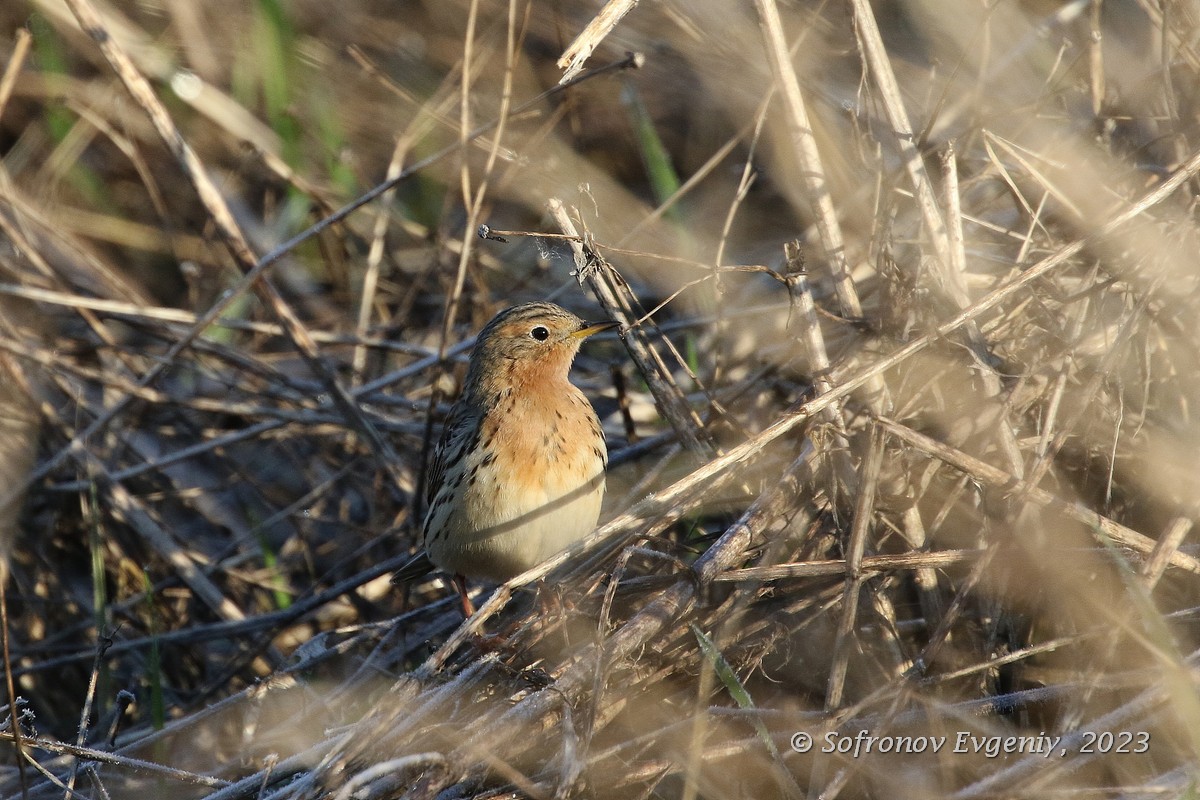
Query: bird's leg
{"type": "Point", "coordinates": [552, 604]}
{"type": "Point", "coordinates": [460, 583]}
{"type": "Point", "coordinates": [485, 642]}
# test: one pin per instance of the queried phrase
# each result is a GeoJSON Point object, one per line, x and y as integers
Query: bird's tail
{"type": "Point", "coordinates": [417, 567]}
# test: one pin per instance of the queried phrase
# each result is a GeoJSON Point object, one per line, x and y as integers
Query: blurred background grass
{"type": "Point", "coordinates": [212, 564]}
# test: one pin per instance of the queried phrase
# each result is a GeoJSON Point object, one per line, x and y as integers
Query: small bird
{"type": "Point", "coordinates": [518, 474]}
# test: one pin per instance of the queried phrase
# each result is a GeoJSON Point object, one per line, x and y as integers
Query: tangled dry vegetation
{"type": "Point", "coordinates": [901, 418]}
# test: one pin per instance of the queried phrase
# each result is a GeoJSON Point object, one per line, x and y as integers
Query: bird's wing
{"type": "Point", "coordinates": [459, 434]}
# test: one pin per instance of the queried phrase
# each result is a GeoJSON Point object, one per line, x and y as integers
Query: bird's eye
{"type": "Point", "coordinates": [541, 333]}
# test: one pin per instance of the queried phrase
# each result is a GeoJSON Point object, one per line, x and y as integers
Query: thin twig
{"type": "Point", "coordinates": [578, 51]}
{"type": "Point", "coordinates": [986, 474]}
{"type": "Point", "coordinates": [601, 278]}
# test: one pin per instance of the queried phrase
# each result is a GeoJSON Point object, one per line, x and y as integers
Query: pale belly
{"type": "Point", "coordinates": [533, 498]}
{"type": "Point", "coordinates": [494, 549]}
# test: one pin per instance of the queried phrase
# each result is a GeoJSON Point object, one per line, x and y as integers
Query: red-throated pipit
{"type": "Point", "coordinates": [518, 474]}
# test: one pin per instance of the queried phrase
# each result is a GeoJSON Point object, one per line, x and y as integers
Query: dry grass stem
{"type": "Point", "coordinates": [901, 415]}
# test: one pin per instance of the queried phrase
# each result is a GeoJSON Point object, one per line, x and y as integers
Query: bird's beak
{"type": "Point", "coordinates": [587, 331]}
